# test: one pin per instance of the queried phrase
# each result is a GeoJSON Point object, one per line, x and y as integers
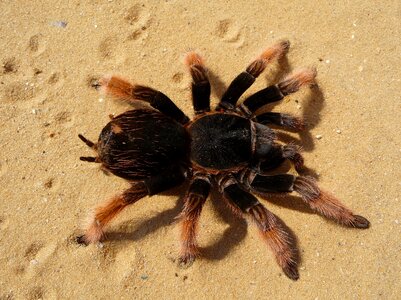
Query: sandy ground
{"type": "Point", "coordinates": [50, 53]}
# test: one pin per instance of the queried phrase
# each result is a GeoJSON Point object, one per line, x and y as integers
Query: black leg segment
{"type": "Point", "coordinates": [244, 80]}
{"type": "Point", "coordinates": [285, 121]}
{"type": "Point", "coordinates": [200, 82]}
{"type": "Point", "coordinates": [120, 88]}
{"type": "Point", "coordinates": [282, 183]}
{"type": "Point", "coordinates": [290, 84]}
{"type": "Point", "coordinates": [270, 228]}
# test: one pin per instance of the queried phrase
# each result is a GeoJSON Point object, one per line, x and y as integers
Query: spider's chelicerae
{"type": "Point", "coordinates": [232, 147]}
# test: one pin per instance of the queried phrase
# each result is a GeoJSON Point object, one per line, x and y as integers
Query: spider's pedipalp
{"type": "Point", "coordinates": [122, 89]}
{"type": "Point", "coordinates": [193, 202]}
{"type": "Point", "coordinates": [271, 230]}
{"type": "Point", "coordinates": [291, 84]}
{"type": "Point", "coordinates": [326, 204]}
{"type": "Point", "coordinates": [200, 82]}
{"type": "Point", "coordinates": [245, 79]}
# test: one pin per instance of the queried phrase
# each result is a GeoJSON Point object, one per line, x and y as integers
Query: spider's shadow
{"type": "Point", "coordinates": [146, 227]}
{"type": "Point", "coordinates": [311, 107]}
{"type": "Point", "coordinates": [231, 237]}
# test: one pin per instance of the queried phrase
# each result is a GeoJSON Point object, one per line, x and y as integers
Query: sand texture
{"type": "Point", "coordinates": [53, 51]}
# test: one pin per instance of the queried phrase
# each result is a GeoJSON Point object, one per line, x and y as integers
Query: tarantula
{"type": "Point", "coordinates": [232, 147]}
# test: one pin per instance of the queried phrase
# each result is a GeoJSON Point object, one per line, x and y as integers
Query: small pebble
{"type": "Point", "coordinates": [101, 99]}
{"type": "Point", "coordinates": [144, 277]}
{"type": "Point", "coordinates": [61, 24]}
{"type": "Point", "coordinates": [360, 68]}
{"type": "Point", "coordinates": [338, 131]}
{"type": "Point", "coordinates": [319, 136]}
{"type": "Point", "coordinates": [327, 61]}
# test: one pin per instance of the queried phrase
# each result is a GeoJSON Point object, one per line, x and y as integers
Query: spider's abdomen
{"type": "Point", "coordinates": [141, 143]}
{"type": "Point", "coordinates": [220, 141]}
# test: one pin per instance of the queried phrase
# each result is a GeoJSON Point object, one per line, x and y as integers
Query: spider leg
{"type": "Point", "coordinates": [200, 82]}
{"type": "Point", "coordinates": [319, 200]}
{"type": "Point", "coordinates": [193, 202]}
{"type": "Point", "coordinates": [273, 93]}
{"type": "Point", "coordinates": [278, 154]}
{"type": "Point", "coordinates": [105, 212]}
{"type": "Point", "coordinates": [285, 121]}
{"type": "Point", "coordinates": [245, 79]}
{"type": "Point", "coordinates": [122, 89]}
{"type": "Point", "coordinates": [271, 230]}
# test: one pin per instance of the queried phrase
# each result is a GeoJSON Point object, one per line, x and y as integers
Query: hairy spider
{"type": "Point", "coordinates": [231, 147]}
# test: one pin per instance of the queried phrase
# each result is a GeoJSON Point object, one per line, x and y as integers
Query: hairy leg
{"type": "Point", "coordinates": [291, 84]}
{"type": "Point", "coordinates": [105, 212]}
{"type": "Point", "coordinates": [318, 199]}
{"type": "Point", "coordinates": [122, 89]}
{"type": "Point", "coordinates": [326, 204]}
{"type": "Point", "coordinates": [244, 80]}
{"type": "Point", "coordinates": [284, 121]}
{"type": "Point", "coordinates": [194, 199]}
{"type": "Point", "coordinates": [271, 230]}
{"type": "Point", "coordinates": [200, 82]}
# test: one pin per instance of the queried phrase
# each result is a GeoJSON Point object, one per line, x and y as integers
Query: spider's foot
{"type": "Point", "coordinates": [185, 261]}
{"type": "Point", "coordinates": [291, 271]}
{"type": "Point", "coordinates": [360, 222]}
{"type": "Point", "coordinates": [81, 240]}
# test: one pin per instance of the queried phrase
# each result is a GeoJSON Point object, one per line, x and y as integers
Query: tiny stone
{"type": "Point", "coordinates": [144, 277]}
{"type": "Point", "coordinates": [34, 111]}
{"type": "Point", "coordinates": [101, 99]}
{"type": "Point", "coordinates": [61, 24]}
{"type": "Point", "coordinates": [397, 222]}
{"type": "Point", "coordinates": [327, 61]}
{"type": "Point", "coordinates": [338, 131]}
{"type": "Point", "coordinates": [34, 262]}
{"type": "Point", "coordinates": [319, 136]}
{"type": "Point", "coordinates": [100, 245]}
{"type": "Point", "coordinates": [360, 68]}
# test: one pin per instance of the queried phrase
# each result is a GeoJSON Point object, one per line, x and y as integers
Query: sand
{"type": "Point", "coordinates": [51, 51]}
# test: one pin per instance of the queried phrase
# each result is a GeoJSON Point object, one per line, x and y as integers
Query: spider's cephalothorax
{"type": "Point", "coordinates": [159, 148]}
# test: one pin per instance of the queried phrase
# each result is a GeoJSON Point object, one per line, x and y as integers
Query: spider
{"type": "Point", "coordinates": [231, 147]}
